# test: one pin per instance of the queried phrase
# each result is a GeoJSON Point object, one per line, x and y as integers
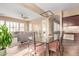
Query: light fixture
{"type": "Point", "coordinates": [47, 13]}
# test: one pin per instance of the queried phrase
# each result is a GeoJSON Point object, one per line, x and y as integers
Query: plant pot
{"type": "Point", "coordinates": [3, 52]}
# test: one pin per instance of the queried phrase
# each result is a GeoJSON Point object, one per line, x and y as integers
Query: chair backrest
{"type": "Point", "coordinates": [54, 45]}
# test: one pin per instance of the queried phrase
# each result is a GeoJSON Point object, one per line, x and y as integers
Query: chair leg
{"type": "Point", "coordinates": [51, 53]}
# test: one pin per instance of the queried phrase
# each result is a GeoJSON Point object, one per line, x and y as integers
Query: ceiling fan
{"type": "Point", "coordinates": [23, 16]}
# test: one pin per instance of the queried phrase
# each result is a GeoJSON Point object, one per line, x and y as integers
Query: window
{"type": "Point", "coordinates": [13, 26]}
{"type": "Point", "coordinates": [17, 27]}
{"type": "Point", "coordinates": [7, 23]}
{"type": "Point", "coordinates": [56, 27]}
{"type": "Point", "coordinates": [1, 22]}
{"type": "Point", "coordinates": [21, 27]}
{"type": "Point", "coordinates": [56, 31]}
{"type": "Point", "coordinates": [30, 26]}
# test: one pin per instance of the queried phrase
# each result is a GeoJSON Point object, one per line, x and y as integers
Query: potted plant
{"type": "Point", "coordinates": [5, 39]}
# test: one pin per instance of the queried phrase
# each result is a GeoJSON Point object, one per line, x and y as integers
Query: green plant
{"type": "Point", "coordinates": [5, 37]}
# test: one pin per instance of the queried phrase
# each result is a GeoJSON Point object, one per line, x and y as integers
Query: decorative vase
{"type": "Point", "coordinates": [3, 52]}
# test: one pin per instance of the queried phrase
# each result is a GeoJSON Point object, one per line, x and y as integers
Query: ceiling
{"type": "Point", "coordinates": [57, 6]}
{"type": "Point", "coordinates": [15, 10]}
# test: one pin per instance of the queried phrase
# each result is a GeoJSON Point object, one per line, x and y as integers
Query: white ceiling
{"type": "Point", "coordinates": [13, 9]}
{"type": "Point", "coordinates": [57, 6]}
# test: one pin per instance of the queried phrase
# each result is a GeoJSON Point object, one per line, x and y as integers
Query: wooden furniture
{"type": "Point", "coordinates": [54, 47]}
{"type": "Point", "coordinates": [28, 45]}
{"type": "Point", "coordinates": [23, 50]}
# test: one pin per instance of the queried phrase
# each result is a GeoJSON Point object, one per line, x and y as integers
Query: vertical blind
{"type": "Point", "coordinates": [13, 26]}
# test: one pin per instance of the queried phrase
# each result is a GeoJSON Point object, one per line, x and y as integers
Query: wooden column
{"type": "Point", "coordinates": [61, 33]}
